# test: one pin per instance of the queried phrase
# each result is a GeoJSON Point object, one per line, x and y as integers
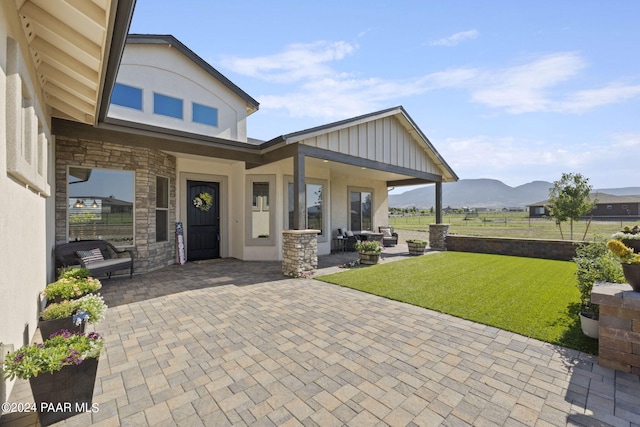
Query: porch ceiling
{"type": "Point", "coordinates": [362, 172]}
{"type": "Point", "coordinates": [70, 42]}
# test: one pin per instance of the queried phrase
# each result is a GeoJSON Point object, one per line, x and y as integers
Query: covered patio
{"type": "Point", "coordinates": [229, 342]}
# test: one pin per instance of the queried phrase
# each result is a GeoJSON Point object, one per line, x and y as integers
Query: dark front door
{"type": "Point", "coordinates": [203, 226]}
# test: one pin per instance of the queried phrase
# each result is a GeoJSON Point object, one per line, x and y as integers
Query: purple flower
{"type": "Point", "coordinates": [94, 336]}
{"type": "Point", "coordinates": [18, 358]}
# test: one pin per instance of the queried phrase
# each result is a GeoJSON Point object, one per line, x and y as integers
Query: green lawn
{"type": "Point", "coordinates": [532, 297]}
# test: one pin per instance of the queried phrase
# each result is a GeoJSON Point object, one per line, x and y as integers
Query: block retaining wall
{"type": "Point", "coordinates": [563, 250]}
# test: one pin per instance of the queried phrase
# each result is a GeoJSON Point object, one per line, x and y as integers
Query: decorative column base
{"type": "Point", "coordinates": [299, 252]}
{"type": "Point", "coordinates": [438, 236]}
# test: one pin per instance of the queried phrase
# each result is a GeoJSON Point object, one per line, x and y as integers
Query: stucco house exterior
{"type": "Point", "coordinates": [115, 137]}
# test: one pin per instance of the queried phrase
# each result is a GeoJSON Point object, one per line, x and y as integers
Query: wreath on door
{"type": "Point", "coordinates": [203, 201]}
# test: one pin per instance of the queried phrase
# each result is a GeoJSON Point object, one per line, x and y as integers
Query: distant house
{"type": "Point", "coordinates": [607, 207]}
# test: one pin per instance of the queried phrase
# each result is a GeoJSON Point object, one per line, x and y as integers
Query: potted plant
{"type": "Point", "coordinates": [70, 287]}
{"type": "Point", "coordinates": [630, 262]}
{"type": "Point", "coordinates": [594, 263]}
{"type": "Point", "coordinates": [630, 236]}
{"type": "Point", "coordinates": [71, 314]}
{"type": "Point", "coordinates": [417, 246]}
{"type": "Point", "coordinates": [369, 251]}
{"type": "Point", "coordinates": [61, 372]}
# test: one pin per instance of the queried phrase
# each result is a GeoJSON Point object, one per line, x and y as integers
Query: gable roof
{"type": "Point", "coordinates": [167, 39]}
{"type": "Point", "coordinates": [398, 112]}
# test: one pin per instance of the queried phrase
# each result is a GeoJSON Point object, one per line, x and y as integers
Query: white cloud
{"type": "Point", "coordinates": [315, 88]}
{"type": "Point", "coordinates": [525, 88]}
{"type": "Point", "coordinates": [456, 38]}
{"type": "Point", "coordinates": [297, 62]}
{"type": "Point", "coordinates": [585, 100]}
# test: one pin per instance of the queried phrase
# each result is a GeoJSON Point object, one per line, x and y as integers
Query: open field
{"type": "Point", "coordinates": [511, 224]}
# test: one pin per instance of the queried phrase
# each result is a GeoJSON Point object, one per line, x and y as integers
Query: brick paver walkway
{"type": "Point", "coordinates": [235, 343]}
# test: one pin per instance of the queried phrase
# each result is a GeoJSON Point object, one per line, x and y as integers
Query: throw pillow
{"type": "Point", "coordinates": [349, 233]}
{"type": "Point", "coordinates": [386, 231]}
{"type": "Point", "coordinates": [93, 255]}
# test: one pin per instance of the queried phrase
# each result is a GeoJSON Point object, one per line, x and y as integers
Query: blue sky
{"type": "Point", "coordinates": [512, 90]}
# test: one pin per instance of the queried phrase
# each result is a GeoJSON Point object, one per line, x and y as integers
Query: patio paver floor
{"type": "Point", "coordinates": [235, 343]}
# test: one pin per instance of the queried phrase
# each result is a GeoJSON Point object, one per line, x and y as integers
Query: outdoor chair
{"type": "Point", "coordinates": [389, 237]}
{"type": "Point", "coordinates": [350, 239]}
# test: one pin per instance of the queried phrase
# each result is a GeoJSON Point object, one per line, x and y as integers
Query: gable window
{"type": "Point", "coordinates": [260, 218]}
{"type": "Point", "coordinates": [167, 105]}
{"type": "Point", "coordinates": [162, 209]}
{"type": "Point", "coordinates": [360, 210]}
{"type": "Point", "coordinates": [100, 205]}
{"type": "Point", "coordinates": [315, 215]}
{"type": "Point", "coordinates": [127, 96]}
{"type": "Point", "coordinates": [205, 115]}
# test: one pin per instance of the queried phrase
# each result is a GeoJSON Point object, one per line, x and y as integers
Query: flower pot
{"type": "Point", "coordinates": [589, 326]}
{"type": "Point", "coordinates": [633, 244]}
{"type": "Point", "coordinates": [369, 258]}
{"type": "Point", "coordinates": [48, 327]}
{"type": "Point", "coordinates": [416, 248]}
{"type": "Point", "coordinates": [632, 274]}
{"type": "Point", "coordinates": [64, 393]}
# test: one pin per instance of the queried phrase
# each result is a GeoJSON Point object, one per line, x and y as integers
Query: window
{"type": "Point", "coordinates": [127, 96]}
{"type": "Point", "coordinates": [100, 205]}
{"type": "Point", "coordinates": [167, 105]}
{"type": "Point", "coordinates": [162, 209]}
{"type": "Point", "coordinates": [315, 214]}
{"type": "Point", "coordinates": [260, 218]}
{"type": "Point", "coordinates": [539, 210]}
{"type": "Point", "coordinates": [609, 206]}
{"type": "Point", "coordinates": [360, 215]}
{"type": "Point", "coordinates": [205, 115]}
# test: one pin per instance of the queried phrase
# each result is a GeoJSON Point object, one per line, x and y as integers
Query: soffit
{"type": "Point", "coordinates": [68, 42]}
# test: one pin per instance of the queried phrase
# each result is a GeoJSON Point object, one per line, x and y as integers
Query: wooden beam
{"type": "Point", "coordinates": [438, 202]}
{"type": "Point", "coordinates": [299, 192]}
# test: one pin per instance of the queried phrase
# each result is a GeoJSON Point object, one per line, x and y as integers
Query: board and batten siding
{"type": "Point", "coordinates": [383, 140]}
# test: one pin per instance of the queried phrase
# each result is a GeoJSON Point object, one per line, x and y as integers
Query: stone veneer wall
{"type": "Point", "coordinates": [438, 236]}
{"type": "Point", "coordinates": [299, 252]}
{"type": "Point", "coordinates": [563, 250]}
{"type": "Point", "coordinates": [146, 165]}
{"type": "Point", "coordinates": [619, 327]}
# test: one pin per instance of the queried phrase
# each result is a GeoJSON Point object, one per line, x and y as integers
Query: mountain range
{"type": "Point", "coordinates": [486, 193]}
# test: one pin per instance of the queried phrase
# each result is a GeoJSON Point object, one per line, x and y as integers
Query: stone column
{"type": "Point", "coordinates": [619, 328]}
{"type": "Point", "coordinates": [299, 252]}
{"type": "Point", "coordinates": [438, 236]}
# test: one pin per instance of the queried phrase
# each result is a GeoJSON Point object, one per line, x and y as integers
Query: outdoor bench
{"type": "Point", "coordinates": [98, 256]}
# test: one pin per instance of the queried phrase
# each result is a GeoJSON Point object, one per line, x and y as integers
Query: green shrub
{"type": "Point", "coordinates": [74, 272]}
{"type": "Point", "coordinates": [368, 246]}
{"type": "Point", "coordinates": [90, 308]}
{"type": "Point", "coordinates": [595, 263]}
{"type": "Point", "coordinates": [66, 288]}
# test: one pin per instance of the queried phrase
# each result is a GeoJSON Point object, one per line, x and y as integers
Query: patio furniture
{"type": "Point", "coordinates": [389, 237]}
{"type": "Point", "coordinates": [350, 239]}
{"type": "Point", "coordinates": [98, 256]}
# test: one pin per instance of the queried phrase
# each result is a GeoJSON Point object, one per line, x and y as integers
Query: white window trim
{"type": "Point", "coordinates": [250, 241]}
{"type": "Point", "coordinates": [288, 179]}
{"type": "Point", "coordinates": [162, 209]}
{"type": "Point", "coordinates": [373, 200]}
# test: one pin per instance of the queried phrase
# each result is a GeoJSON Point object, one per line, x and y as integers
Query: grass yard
{"type": "Point", "coordinates": [532, 297]}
